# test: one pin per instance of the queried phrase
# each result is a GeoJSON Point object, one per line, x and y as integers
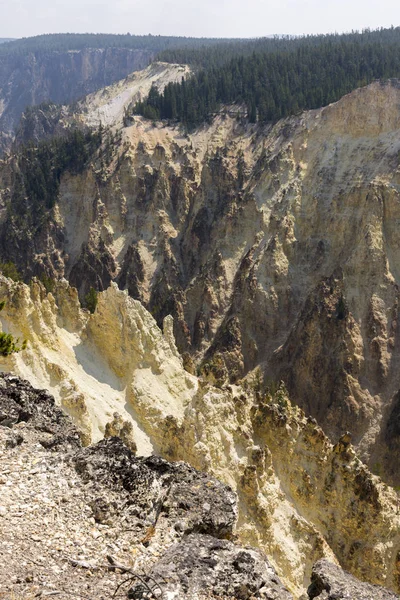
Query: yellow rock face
{"type": "Point", "coordinates": [276, 247]}
{"type": "Point", "coordinates": [300, 497]}
{"type": "Point", "coordinates": [95, 365]}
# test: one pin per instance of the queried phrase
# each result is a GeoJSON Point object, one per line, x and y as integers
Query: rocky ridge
{"type": "Point", "coordinates": [31, 78]}
{"type": "Point", "coordinates": [110, 521]}
{"type": "Point", "coordinates": [109, 107]}
{"type": "Point", "coordinates": [101, 505]}
{"type": "Point", "coordinates": [300, 497]}
{"type": "Point", "coordinates": [331, 583]}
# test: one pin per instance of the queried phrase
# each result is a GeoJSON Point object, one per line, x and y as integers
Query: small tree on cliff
{"type": "Point", "coordinates": [91, 300]}
{"type": "Point", "coordinates": [8, 344]}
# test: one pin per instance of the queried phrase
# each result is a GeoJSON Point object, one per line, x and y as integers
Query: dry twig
{"type": "Point", "coordinates": [114, 565]}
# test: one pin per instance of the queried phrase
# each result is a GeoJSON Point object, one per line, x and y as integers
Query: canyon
{"type": "Point", "coordinates": [274, 249]}
{"type": "Point", "coordinates": [33, 78]}
{"type": "Point", "coordinates": [300, 497]}
{"type": "Point", "coordinates": [247, 315]}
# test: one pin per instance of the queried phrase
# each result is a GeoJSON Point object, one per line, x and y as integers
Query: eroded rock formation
{"type": "Point", "coordinates": [149, 504]}
{"type": "Point", "coordinates": [273, 248]}
{"type": "Point", "coordinates": [300, 497]}
{"type": "Point", "coordinates": [143, 526]}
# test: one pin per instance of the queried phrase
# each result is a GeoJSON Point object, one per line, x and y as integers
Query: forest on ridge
{"type": "Point", "coordinates": [273, 77]}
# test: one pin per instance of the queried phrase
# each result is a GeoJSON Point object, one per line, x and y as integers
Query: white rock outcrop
{"type": "Point", "coordinates": [116, 360]}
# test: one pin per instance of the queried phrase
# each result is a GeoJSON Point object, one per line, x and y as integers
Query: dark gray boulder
{"type": "Point", "coordinates": [20, 402]}
{"type": "Point", "coordinates": [330, 582]}
{"type": "Point", "coordinates": [201, 566]}
{"type": "Point", "coordinates": [191, 501]}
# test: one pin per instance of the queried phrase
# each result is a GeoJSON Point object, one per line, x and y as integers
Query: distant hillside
{"type": "Point", "coordinates": [63, 42]}
{"type": "Point", "coordinates": [62, 68]}
{"type": "Point", "coordinates": [2, 40]}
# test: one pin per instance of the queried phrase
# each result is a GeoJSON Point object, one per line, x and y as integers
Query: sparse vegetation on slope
{"type": "Point", "coordinates": [8, 344]}
{"type": "Point", "coordinates": [8, 269]}
{"type": "Point", "coordinates": [37, 172]}
{"type": "Point", "coordinates": [91, 300]}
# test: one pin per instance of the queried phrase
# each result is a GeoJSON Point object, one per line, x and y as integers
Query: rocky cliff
{"type": "Point", "coordinates": [103, 521]}
{"type": "Point", "coordinates": [272, 248]}
{"type": "Point", "coordinates": [130, 524]}
{"type": "Point", "coordinates": [300, 497]}
{"type": "Point", "coordinates": [28, 79]}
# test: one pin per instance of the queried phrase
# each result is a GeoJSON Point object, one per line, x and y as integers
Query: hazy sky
{"type": "Point", "coordinates": [213, 18]}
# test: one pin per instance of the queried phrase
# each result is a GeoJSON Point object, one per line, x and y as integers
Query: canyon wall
{"type": "Point", "coordinates": [28, 79]}
{"type": "Point", "coordinates": [300, 497]}
{"type": "Point", "coordinates": [274, 249]}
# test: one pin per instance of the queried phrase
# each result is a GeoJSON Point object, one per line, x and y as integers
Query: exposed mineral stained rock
{"type": "Point", "coordinates": [169, 527]}
{"type": "Point", "coordinates": [138, 508]}
{"type": "Point", "coordinates": [301, 496]}
{"type": "Point", "coordinates": [272, 247]}
{"type": "Point", "coordinates": [116, 360]}
{"type": "Point", "coordinates": [122, 429]}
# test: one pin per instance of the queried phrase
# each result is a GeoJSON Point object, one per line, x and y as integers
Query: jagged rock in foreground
{"type": "Point", "coordinates": [203, 567]}
{"type": "Point", "coordinates": [301, 497]}
{"type": "Point", "coordinates": [330, 582]}
{"type": "Point", "coordinates": [68, 514]}
{"type": "Point", "coordinates": [20, 403]}
{"type": "Point", "coordinates": [64, 510]}
{"type": "Point", "coordinates": [192, 501]}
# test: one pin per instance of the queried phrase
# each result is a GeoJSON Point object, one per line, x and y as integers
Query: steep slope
{"type": "Point", "coordinates": [71, 354]}
{"type": "Point", "coordinates": [108, 107]}
{"type": "Point", "coordinates": [31, 78]}
{"type": "Point", "coordinates": [274, 247]}
{"type": "Point", "coordinates": [79, 500]}
{"type": "Point", "coordinates": [301, 498]}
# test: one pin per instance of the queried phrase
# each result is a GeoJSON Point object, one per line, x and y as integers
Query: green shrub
{"type": "Point", "coordinates": [9, 270]}
{"type": "Point", "coordinates": [341, 309]}
{"type": "Point", "coordinates": [48, 282]}
{"type": "Point", "coordinates": [91, 300]}
{"type": "Point", "coordinates": [8, 344]}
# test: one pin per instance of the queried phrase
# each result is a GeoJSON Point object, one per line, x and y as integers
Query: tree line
{"type": "Point", "coordinates": [274, 78]}
{"type": "Point", "coordinates": [64, 42]}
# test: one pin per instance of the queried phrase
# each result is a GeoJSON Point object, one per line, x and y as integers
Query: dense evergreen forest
{"type": "Point", "coordinates": [212, 55]}
{"type": "Point", "coordinates": [274, 77]}
{"type": "Point", "coordinates": [63, 42]}
{"type": "Point", "coordinates": [4, 40]}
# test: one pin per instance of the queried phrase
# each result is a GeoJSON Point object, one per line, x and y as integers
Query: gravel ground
{"type": "Point", "coordinates": [47, 520]}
